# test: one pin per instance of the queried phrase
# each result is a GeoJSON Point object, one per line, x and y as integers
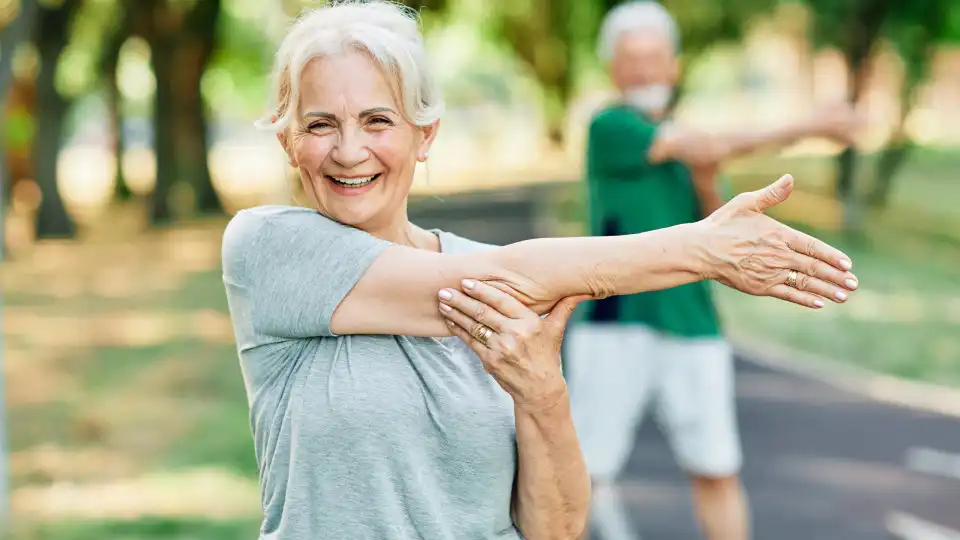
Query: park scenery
{"type": "Point", "coordinates": [128, 142]}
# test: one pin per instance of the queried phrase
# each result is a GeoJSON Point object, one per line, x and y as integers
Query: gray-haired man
{"type": "Point", "coordinates": [645, 172]}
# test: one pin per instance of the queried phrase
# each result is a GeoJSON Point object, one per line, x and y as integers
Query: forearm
{"type": "Point", "coordinates": [742, 143]}
{"type": "Point", "coordinates": [553, 487]}
{"type": "Point", "coordinates": [700, 149]}
{"type": "Point", "coordinates": [708, 193]}
{"type": "Point", "coordinates": [544, 270]}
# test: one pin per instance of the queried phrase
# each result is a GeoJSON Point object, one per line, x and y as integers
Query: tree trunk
{"type": "Point", "coordinates": [164, 130]}
{"type": "Point", "coordinates": [108, 66]}
{"type": "Point", "coordinates": [52, 218]}
{"type": "Point", "coordinates": [121, 190]}
{"type": "Point", "coordinates": [195, 53]}
{"type": "Point", "coordinates": [865, 24]}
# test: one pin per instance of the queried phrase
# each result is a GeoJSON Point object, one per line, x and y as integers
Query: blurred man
{"type": "Point", "coordinates": [646, 172]}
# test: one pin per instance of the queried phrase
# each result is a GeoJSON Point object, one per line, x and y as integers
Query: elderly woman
{"type": "Point", "coordinates": [401, 381]}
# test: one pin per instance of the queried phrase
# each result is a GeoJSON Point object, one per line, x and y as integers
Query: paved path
{"type": "Point", "coordinates": [820, 464]}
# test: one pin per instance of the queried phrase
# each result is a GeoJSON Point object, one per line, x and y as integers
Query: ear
{"type": "Point", "coordinates": [429, 134]}
{"type": "Point", "coordinates": [284, 140]}
{"type": "Point", "coordinates": [676, 70]}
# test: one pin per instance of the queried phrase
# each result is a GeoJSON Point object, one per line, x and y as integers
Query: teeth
{"type": "Point", "coordinates": [353, 181]}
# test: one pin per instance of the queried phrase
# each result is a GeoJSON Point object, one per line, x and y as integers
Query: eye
{"type": "Point", "coordinates": [319, 125]}
{"type": "Point", "coordinates": [381, 120]}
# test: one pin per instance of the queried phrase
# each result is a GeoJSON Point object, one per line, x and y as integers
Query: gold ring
{"type": "Point", "coordinates": [482, 334]}
{"type": "Point", "coordinates": [792, 278]}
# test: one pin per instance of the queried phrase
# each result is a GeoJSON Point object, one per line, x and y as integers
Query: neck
{"type": "Point", "coordinates": [397, 229]}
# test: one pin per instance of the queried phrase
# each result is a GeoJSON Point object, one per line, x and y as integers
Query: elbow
{"type": "Point", "coordinates": [597, 286]}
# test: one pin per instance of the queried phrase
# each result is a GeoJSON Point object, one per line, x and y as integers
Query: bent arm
{"type": "Point", "coordinates": [398, 293]}
{"type": "Point", "coordinates": [697, 148]}
{"type": "Point", "coordinates": [553, 487]}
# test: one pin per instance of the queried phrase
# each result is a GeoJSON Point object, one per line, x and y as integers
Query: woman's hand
{"type": "Point", "coordinates": [753, 253]}
{"type": "Point", "coordinates": [516, 346]}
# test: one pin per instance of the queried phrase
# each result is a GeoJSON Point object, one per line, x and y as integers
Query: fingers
{"type": "Point", "coordinates": [457, 320]}
{"type": "Point", "coordinates": [820, 288]}
{"type": "Point", "coordinates": [834, 281]}
{"type": "Point", "coordinates": [811, 247]}
{"type": "Point", "coordinates": [479, 312]}
{"type": "Point", "coordinates": [561, 313]}
{"type": "Point", "coordinates": [774, 194]}
{"type": "Point", "coordinates": [501, 301]}
{"type": "Point", "coordinates": [477, 347]}
{"type": "Point", "coordinates": [796, 296]}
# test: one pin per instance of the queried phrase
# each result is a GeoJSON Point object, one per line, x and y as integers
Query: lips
{"type": "Point", "coordinates": [353, 182]}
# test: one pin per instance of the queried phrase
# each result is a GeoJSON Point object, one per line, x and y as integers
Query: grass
{"type": "Point", "coordinates": [128, 417]}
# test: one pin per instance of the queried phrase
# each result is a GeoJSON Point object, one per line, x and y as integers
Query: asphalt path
{"type": "Point", "coordinates": [820, 463]}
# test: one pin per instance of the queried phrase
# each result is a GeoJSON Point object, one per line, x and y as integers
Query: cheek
{"type": "Point", "coordinates": [311, 150]}
{"type": "Point", "coordinates": [394, 150]}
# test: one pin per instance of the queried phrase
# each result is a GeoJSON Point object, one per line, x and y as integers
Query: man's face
{"type": "Point", "coordinates": [644, 58]}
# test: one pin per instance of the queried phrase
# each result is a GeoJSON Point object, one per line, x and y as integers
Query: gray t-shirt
{"type": "Point", "coordinates": [359, 436]}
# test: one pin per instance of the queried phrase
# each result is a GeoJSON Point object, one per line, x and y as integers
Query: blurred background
{"type": "Point", "coordinates": [127, 142]}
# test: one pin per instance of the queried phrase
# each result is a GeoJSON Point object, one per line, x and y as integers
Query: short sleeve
{"type": "Point", "coordinates": [619, 142]}
{"type": "Point", "coordinates": [287, 269]}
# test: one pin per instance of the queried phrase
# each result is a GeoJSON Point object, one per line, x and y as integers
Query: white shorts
{"type": "Point", "coordinates": [615, 370]}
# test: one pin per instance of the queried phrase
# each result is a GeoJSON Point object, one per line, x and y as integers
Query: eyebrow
{"type": "Point", "coordinates": [367, 112]}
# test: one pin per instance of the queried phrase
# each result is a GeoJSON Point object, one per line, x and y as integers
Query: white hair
{"type": "Point", "coordinates": [645, 15]}
{"type": "Point", "coordinates": [387, 32]}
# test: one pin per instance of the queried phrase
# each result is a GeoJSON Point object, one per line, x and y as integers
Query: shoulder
{"type": "Point", "coordinates": [258, 232]}
{"type": "Point", "coordinates": [614, 119]}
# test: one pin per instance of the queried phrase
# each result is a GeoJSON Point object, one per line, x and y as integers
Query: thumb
{"type": "Point", "coordinates": [774, 194]}
{"type": "Point", "coordinates": [561, 312]}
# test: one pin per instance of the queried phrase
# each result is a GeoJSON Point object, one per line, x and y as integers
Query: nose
{"type": "Point", "coordinates": [350, 150]}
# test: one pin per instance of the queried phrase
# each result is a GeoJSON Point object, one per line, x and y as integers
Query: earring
{"type": "Point", "coordinates": [426, 155]}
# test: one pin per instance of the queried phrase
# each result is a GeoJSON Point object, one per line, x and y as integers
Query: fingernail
{"type": "Point", "coordinates": [818, 303]}
{"type": "Point", "coordinates": [846, 264]}
{"type": "Point", "coordinates": [851, 283]}
{"type": "Point", "coordinates": [445, 294]}
{"type": "Point", "coordinates": [840, 295]}
{"type": "Point", "coordinates": [444, 308]}
{"type": "Point", "coordinates": [469, 283]}
{"type": "Point", "coordinates": [450, 324]}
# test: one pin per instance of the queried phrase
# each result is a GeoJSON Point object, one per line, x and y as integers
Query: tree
{"type": "Point", "coordinates": [198, 41]}
{"type": "Point", "coordinates": [52, 36]}
{"type": "Point", "coordinates": [109, 59]}
{"type": "Point", "coordinates": [915, 30]}
{"type": "Point", "coordinates": [14, 33]}
{"type": "Point", "coordinates": [541, 34]}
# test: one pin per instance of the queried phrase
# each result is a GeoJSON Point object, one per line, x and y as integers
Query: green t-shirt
{"type": "Point", "coordinates": [627, 195]}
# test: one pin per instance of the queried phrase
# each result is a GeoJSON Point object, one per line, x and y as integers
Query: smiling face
{"type": "Point", "coordinates": [355, 151]}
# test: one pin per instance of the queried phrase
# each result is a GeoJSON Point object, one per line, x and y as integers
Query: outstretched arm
{"type": "Point", "coordinates": [697, 148]}
{"type": "Point", "coordinates": [308, 276]}
{"type": "Point", "coordinates": [737, 246]}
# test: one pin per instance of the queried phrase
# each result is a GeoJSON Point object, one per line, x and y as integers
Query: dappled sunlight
{"type": "Point", "coordinates": [154, 263]}
{"type": "Point", "coordinates": [117, 329]}
{"type": "Point", "coordinates": [207, 493]}
{"type": "Point", "coordinates": [34, 375]}
{"type": "Point", "coordinates": [52, 464]}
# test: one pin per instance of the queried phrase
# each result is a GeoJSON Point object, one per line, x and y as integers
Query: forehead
{"type": "Point", "coordinates": [347, 82]}
{"type": "Point", "coordinates": [643, 44]}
